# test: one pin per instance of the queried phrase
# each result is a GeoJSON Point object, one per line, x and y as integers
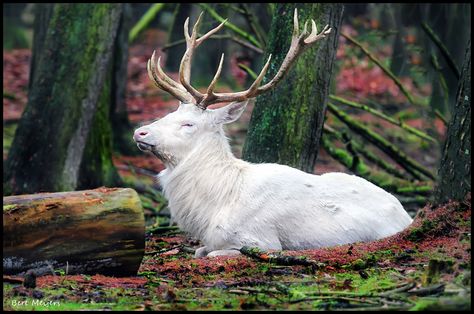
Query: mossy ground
{"type": "Point", "coordinates": [432, 271]}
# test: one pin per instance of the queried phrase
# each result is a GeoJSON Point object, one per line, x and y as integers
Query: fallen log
{"type": "Point", "coordinates": [99, 231]}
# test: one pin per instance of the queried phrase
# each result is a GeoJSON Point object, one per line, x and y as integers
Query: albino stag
{"type": "Point", "coordinates": [226, 202]}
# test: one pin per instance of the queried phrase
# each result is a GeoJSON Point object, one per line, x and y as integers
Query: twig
{"type": "Point", "coordinates": [334, 298]}
{"type": "Point", "coordinates": [379, 114]}
{"type": "Point", "coordinates": [402, 307]}
{"type": "Point", "coordinates": [238, 291]}
{"type": "Point", "coordinates": [444, 51]}
{"type": "Point", "coordinates": [253, 25]}
{"type": "Point", "coordinates": [230, 26]}
{"type": "Point", "coordinates": [402, 288]}
{"type": "Point", "coordinates": [388, 148]}
{"type": "Point", "coordinates": [139, 170]}
{"type": "Point", "coordinates": [187, 249]}
{"type": "Point", "coordinates": [144, 21]}
{"type": "Point", "coordinates": [387, 182]}
{"type": "Point", "coordinates": [428, 290]}
{"type": "Point", "coordinates": [343, 137]}
{"type": "Point", "coordinates": [258, 254]}
{"type": "Point", "coordinates": [442, 80]}
{"type": "Point", "coordinates": [230, 37]}
{"type": "Point", "coordinates": [160, 230]}
{"type": "Point", "coordinates": [233, 7]}
{"type": "Point", "coordinates": [163, 250]}
{"type": "Point", "coordinates": [249, 71]}
{"type": "Point", "coordinates": [384, 68]}
{"type": "Point", "coordinates": [441, 117]}
{"type": "Point", "coordinates": [13, 280]}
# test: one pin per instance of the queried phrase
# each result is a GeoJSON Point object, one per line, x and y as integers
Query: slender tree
{"type": "Point", "coordinates": [122, 129]}
{"type": "Point", "coordinates": [63, 141]}
{"type": "Point", "coordinates": [286, 123]}
{"type": "Point", "coordinates": [455, 167]}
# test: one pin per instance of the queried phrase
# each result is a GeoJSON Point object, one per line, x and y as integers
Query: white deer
{"type": "Point", "coordinates": [228, 203]}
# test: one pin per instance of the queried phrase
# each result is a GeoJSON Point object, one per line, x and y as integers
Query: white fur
{"type": "Point", "coordinates": [228, 203]}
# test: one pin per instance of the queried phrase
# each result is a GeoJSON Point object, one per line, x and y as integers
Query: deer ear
{"type": "Point", "coordinates": [230, 113]}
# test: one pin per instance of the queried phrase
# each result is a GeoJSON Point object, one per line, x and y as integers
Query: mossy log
{"type": "Point", "coordinates": [99, 231]}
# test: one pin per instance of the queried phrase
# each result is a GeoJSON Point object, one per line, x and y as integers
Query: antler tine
{"type": "Point", "coordinates": [314, 36]}
{"type": "Point", "coordinates": [210, 33]}
{"type": "Point", "coordinates": [191, 43]}
{"type": "Point", "coordinates": [162, 83]}
{"type": "Point", "coordinates": [210, 89]}
{"type": "Point", "coordinates": [298, 45]}
{"type": "Point", "coordinates": [186, 92]}
{"type": "Point", "coordinates": [185, 74]}
{"type": "Point", "coordinates": [163, 76]}
{"type": "Point", "coordinates": [295, 24]}
{"type": "Point", "coordinates": [259, 79]}
{"type": "Point", "coordinates": [296, 48]}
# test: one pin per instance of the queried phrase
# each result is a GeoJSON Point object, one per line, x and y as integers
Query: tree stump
{"type": "Point", "coordinates": [99, 231]}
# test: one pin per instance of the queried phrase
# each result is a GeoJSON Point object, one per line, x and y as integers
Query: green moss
{"type": "Point", "coordinates": [418, 234]}
{"type": "Point", "coordinates": [7, 208]}
{"type": "Point", "coordinates": [286, 122]}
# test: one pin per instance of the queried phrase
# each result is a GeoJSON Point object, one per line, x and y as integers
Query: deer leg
{"type": "Point", "coordinates": [231, 252]}
{"type": "Point", "coordinates": [201, 252]}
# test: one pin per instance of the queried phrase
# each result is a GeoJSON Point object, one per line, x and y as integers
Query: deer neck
{"type": "Point", "coordinates": [207, 180]}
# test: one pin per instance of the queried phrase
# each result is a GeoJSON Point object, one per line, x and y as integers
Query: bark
{"type": "Point", "coordinates": [454, 180]}
{"type": "Point", "coordinates": [122, 128]}
{"type": "Point", "coordinates": [50, 143]}
{"type": "Point", "coordinates": [43, 13]}
{"type": "Point", "coordinates": [286, 123]}
{"type": "Point", "coordinates": [94, 231]}
{"type": "Point", "coordinates": [175, 33]}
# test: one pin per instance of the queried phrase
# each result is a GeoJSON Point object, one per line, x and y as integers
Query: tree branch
{"type": "Point", "coordinates": [230, 26]}
{"type": "Point", "coordinates": [379, 114]}
{"type": "Point", "coordinates": [444, 51]}
{"type": "Point", "coordinates": [365, 152]}
{"type": "Point", "coordinates": [278, 259]}
{"type": "Point", "coordinates": [384, 68]}
{"type": "Point", "coordinates": [383, 180]}
{"type": "Point", "coordinates": [409, 164]}
{"type": "Point", "coordinates": [144, 21]}
{"type": "Point", "coordinates": [233, 38]}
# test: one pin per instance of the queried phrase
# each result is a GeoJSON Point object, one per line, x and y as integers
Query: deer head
{"type": "Point", "coordinates": [174, 136]}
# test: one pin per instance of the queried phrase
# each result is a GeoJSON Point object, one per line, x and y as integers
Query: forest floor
{"type": "Point", "coordinates": [425, 267]}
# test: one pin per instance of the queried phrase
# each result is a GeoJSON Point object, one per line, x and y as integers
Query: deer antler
{"type": "Point", "coordinates": [187, 93]}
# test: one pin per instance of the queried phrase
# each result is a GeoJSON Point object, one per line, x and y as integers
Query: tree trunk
{"type": "Point", "coordinates": [94, 231]}
{"type": "Point", "coordinates": [49, 147]}
{"type": "Point", "coordinates": [286, 124]}
{"type": "Point", "coordinates": [455, 167]}
{"type": "Point", "coordinates": [122, 128]}
{"type": "Point", "coordinates": [175, 32]}
{"type": "Point", "coordinates": [42, 13]}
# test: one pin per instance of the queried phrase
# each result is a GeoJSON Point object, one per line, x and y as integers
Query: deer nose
{"type": "Point", "coordinates": [140, 134]}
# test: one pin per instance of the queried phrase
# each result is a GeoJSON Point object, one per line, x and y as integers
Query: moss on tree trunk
{"type": "Point", "coordinates": [455, 167]}
{"type": "Point", "coordinates": [50, 141]}
{"type": "Point", "coordinates": [286, 123]}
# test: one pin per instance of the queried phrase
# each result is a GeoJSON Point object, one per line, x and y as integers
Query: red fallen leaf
{"type": "Point", "coordinates": [330, 268]}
